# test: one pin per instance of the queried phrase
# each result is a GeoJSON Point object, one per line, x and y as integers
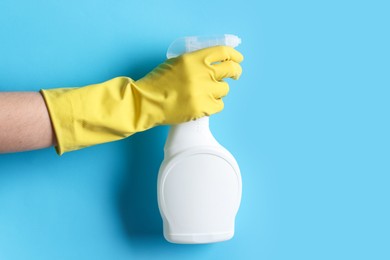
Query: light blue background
{"type": "Point", "coordinates": [308, 123]}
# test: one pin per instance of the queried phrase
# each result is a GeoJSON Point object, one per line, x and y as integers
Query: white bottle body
{"type": "Point", "coordinates": [199, 186]}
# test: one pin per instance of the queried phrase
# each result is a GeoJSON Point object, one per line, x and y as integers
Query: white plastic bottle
{"type": "Point", "coordinates": [199, 182]}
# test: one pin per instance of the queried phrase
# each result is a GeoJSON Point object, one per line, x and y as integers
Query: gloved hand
{"type": "Point", "coordinates": [180, 89]}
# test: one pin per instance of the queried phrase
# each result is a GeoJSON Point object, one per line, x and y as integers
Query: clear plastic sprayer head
{"type": "Point", "coordinates": [193, 43]}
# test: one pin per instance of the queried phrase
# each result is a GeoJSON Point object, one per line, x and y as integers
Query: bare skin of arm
{"type": "Point", "coordinates": [24, 122]}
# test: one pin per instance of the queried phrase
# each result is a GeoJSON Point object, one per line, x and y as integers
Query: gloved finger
{"type": "Point", "coordinates": [217, 106]}
{"type": "Point", "coordinates": [220, 90]}
{"type": "Point", "coordinates": [227, 69]}
{"type": "Point", "coordinates": [220, 53]}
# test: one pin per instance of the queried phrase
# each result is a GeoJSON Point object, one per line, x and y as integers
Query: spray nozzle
{"type": "Point", "coordinates": [193, 43]}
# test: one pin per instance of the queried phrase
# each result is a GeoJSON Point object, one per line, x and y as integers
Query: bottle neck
{"type": "Point", "coordinates": [187, 135]}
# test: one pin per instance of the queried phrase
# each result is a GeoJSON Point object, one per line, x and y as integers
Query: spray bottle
{"type": "Point", "coordinates": [199, 182]}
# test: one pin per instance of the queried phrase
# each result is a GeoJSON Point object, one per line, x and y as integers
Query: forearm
{"type": "Point", "coordinates": [24, 122]}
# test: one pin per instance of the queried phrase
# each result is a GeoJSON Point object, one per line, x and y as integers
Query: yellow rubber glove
{"type": "Point", "coordinates": [179, 90]}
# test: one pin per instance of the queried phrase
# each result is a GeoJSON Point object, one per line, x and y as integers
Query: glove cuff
{"type": "Point", "coordinates": [99, 113]}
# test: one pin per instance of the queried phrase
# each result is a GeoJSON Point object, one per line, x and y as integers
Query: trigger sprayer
{"type": "Point", "coordinates": [199, 182]}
